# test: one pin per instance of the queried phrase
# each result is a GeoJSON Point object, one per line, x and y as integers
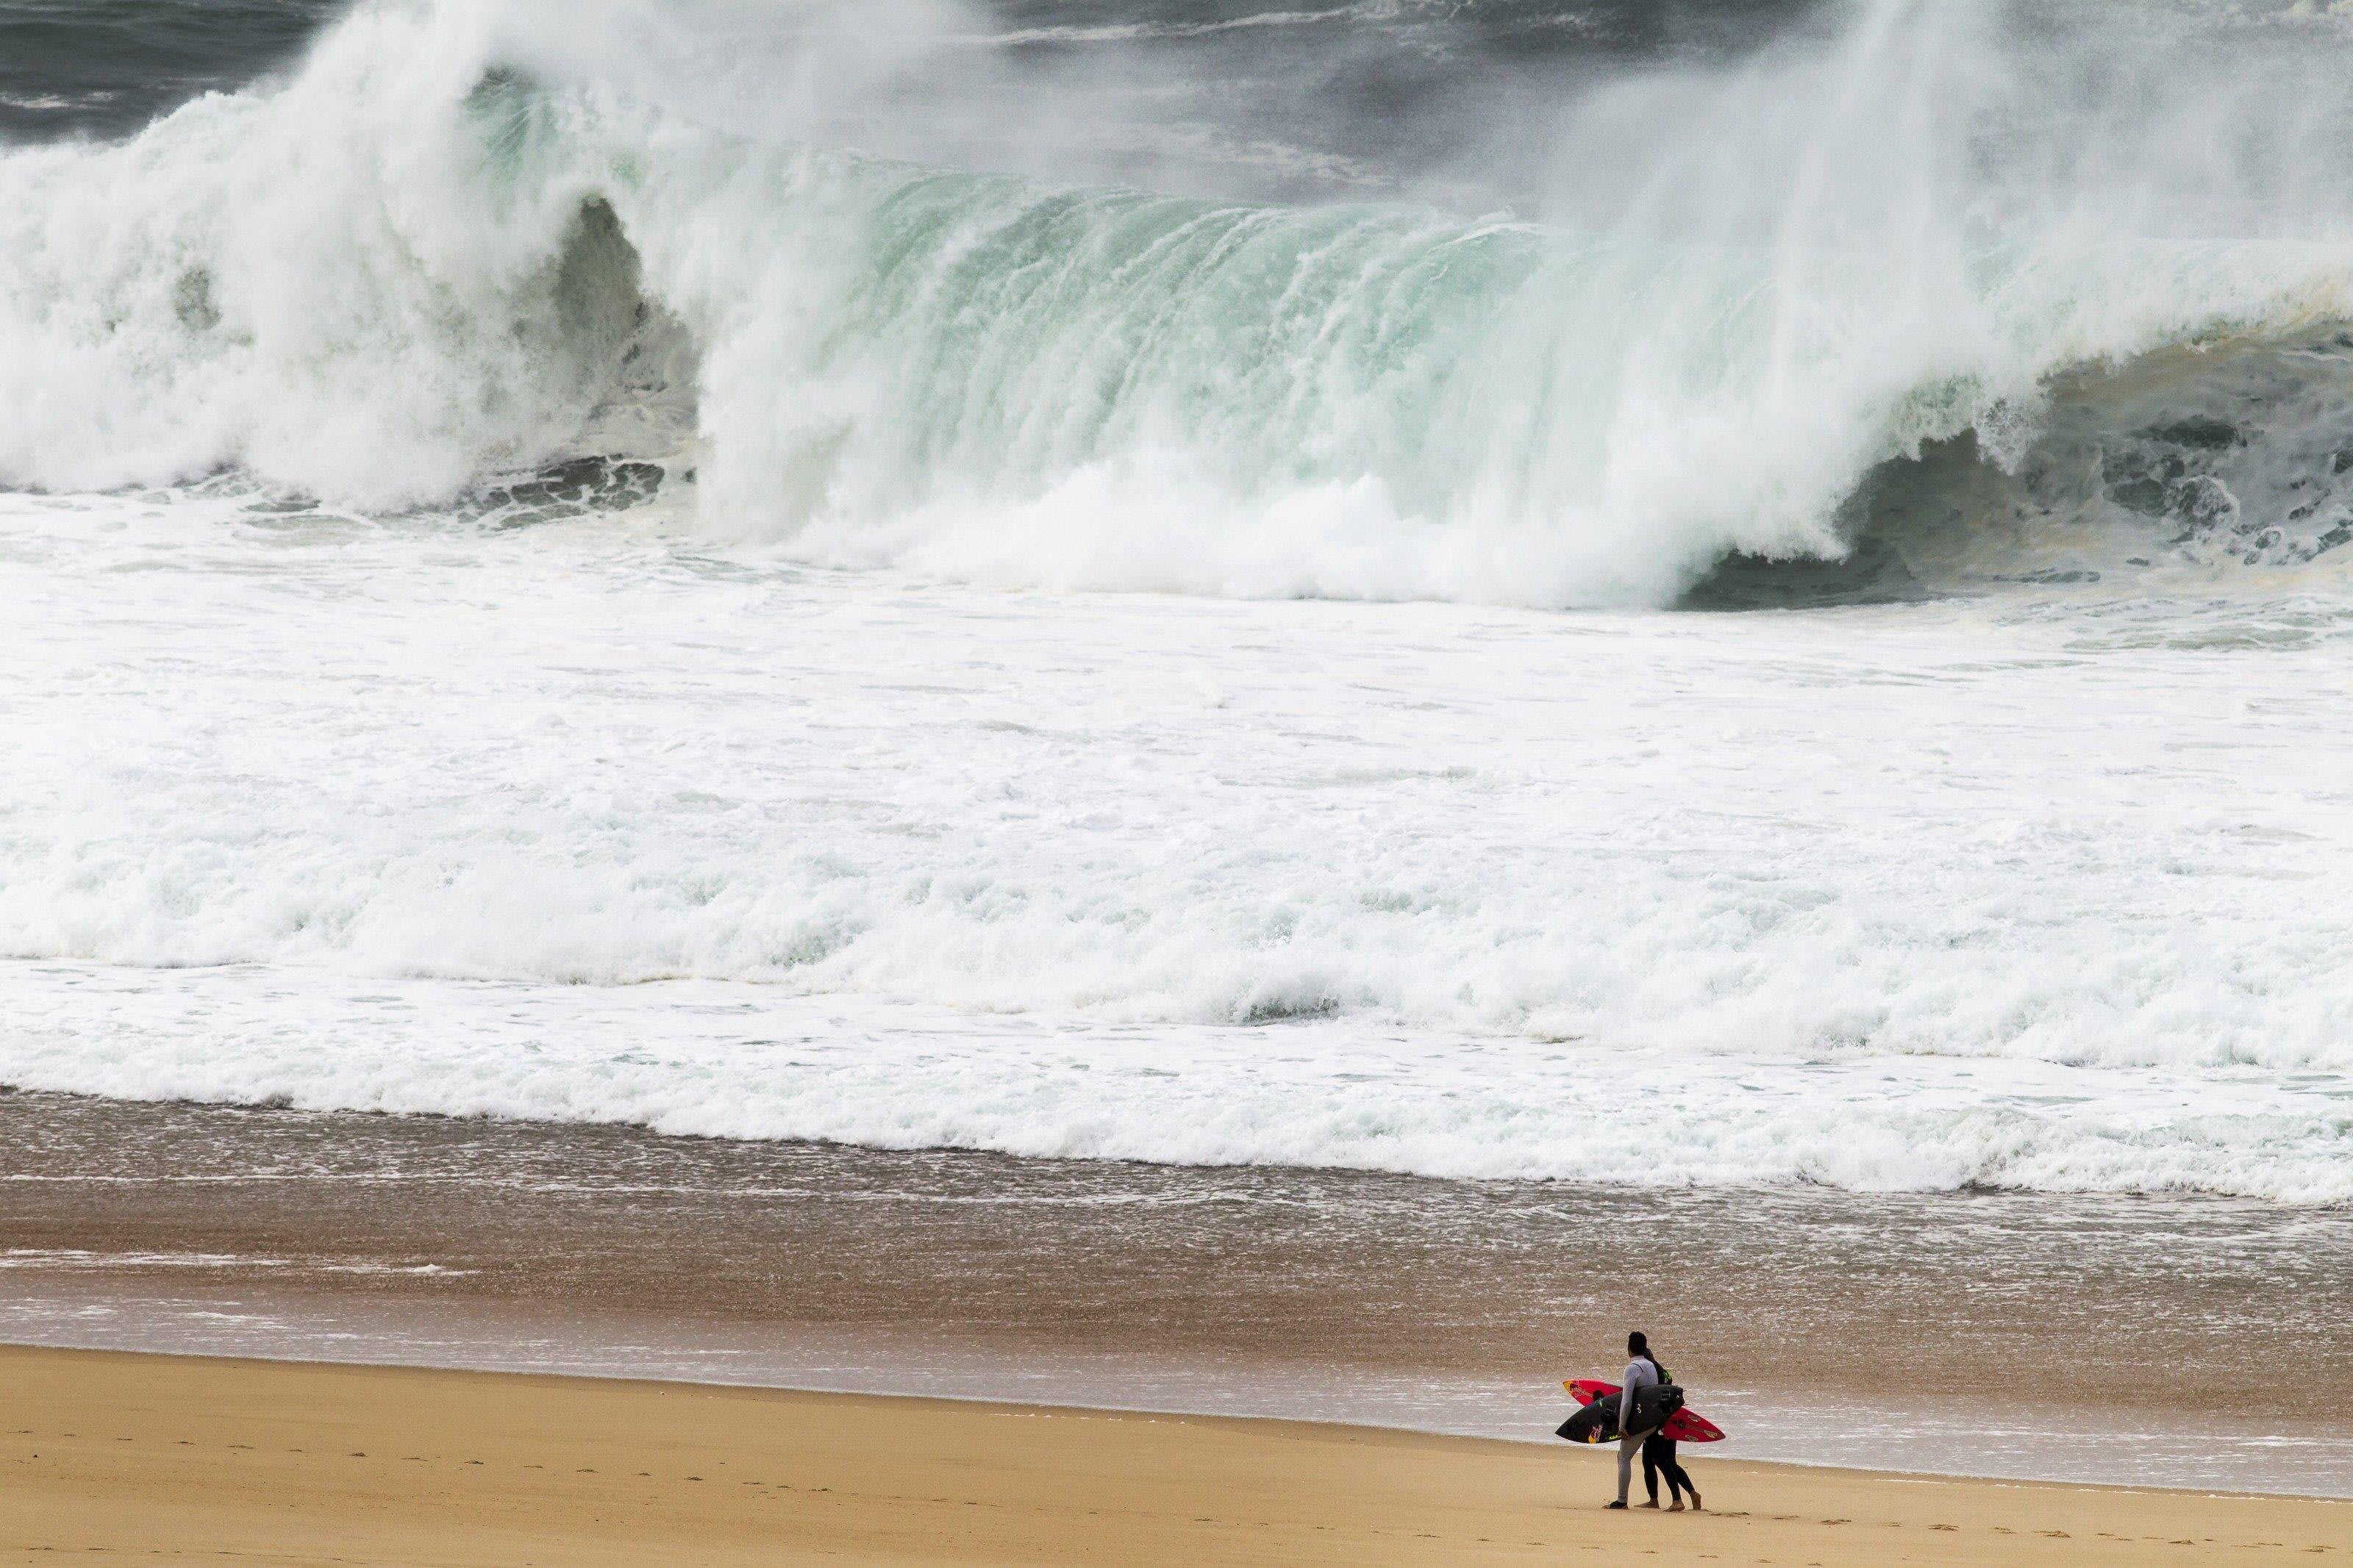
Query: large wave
{"type": "Point", "coordinates": [460, 246]}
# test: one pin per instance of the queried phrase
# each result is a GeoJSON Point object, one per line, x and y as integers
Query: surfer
{"type": "Point", "coordinates": [1658, 1454]}
{"type": "Point", "coordinates": [1642, 1372]}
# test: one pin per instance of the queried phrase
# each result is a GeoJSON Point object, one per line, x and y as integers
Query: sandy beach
{"type": "Point", "coordinates": [110, 1456]}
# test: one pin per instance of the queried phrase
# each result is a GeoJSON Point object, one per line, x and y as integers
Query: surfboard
{"type": "Point", "coordinates": [1685, 1426]}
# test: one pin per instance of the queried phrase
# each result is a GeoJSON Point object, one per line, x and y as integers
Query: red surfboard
{"type": "Point", "coordinates": [1683, 1426]}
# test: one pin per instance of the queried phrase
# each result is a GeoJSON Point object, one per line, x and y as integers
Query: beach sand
{"type": "Point", "coordinates": [110, 1456]}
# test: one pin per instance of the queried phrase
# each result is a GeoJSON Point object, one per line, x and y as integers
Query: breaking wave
{"type": "Point", "coordinates": [438, 261]}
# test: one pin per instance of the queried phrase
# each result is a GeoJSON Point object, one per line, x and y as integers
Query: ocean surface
{"type": "Point", "coordinates": [1659, 595]}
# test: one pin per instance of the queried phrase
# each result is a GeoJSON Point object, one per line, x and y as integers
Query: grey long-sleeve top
{"type": "Point", "coordinates": [1640, 1373]}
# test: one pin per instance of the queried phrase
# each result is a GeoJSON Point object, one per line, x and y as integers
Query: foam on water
{"type": "Point", "coordinates": [2036, 894]}
{"type": "Point", "coordinates": [729, 1060]}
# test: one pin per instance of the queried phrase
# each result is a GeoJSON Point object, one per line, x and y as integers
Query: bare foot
{"type": "Point", "coordinates": [1653, 1503]}
{"type": "Point", "coordinates": [1696, 1504]}
{"type": "Point", "coordinates": [1675, 1507]}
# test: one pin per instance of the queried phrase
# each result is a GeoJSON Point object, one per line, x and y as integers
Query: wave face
{"type": "Point", "coordinates": [460, 245]}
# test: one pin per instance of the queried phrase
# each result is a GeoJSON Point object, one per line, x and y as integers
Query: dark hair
{"type": "Point", "coordinates": [1636, 1344]}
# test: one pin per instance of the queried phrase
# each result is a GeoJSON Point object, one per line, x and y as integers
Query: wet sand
{"type": "Point", "coordinates": [110, 1457]}
{"type": "Point", "coordinates": [1815, 1325]}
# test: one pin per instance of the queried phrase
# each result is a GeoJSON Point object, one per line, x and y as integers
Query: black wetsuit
{"type": "Point", "coordinates": [1658, 1454]}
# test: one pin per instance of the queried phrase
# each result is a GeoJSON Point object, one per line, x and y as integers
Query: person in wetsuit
{"type": "Point", "coordinates": [1641, 1371]}
{"type": "Point", "coordinates": [1659, 1455]}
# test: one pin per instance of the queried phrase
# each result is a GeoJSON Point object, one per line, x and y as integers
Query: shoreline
{"type": "Point", "coordinates": [1710, 1455]}
{"type": "Point", "coordinates": [1406, 1303]}
{"type": "Point", "coordinates": [116, 1454]}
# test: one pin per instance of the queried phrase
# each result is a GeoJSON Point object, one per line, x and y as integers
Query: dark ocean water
{"type": "Point", "coordinates": [104, 68]}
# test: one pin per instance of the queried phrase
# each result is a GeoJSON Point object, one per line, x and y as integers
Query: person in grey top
{"type": "Point", "coordinates": [1640, 1373]}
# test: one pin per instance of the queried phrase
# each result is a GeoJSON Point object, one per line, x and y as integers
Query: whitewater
{"type": "Point", "coordinates": [647, 567]}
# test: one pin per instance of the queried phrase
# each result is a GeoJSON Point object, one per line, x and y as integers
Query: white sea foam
{"type": "Point", "coordinates": [77, 1261]}
{"type": "Point", "coordinates": [2051, 891]}
{"type": "Point", "coordinates": [729, 1060]}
